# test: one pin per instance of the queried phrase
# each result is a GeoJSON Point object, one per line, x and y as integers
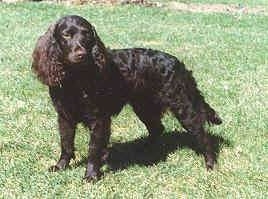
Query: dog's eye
{"type": "Point", "coordinates": [66, 36]}
{"type": "Point", "coordinates": [87, 33]}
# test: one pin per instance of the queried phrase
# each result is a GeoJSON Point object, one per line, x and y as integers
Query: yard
{"type": "Point", "coordinates": [228, 53]}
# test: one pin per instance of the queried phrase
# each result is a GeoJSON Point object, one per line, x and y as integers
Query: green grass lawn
{"type": "Point", "coordinates": [228, 54]}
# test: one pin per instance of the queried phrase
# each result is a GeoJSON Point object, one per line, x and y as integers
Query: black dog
{"type": "Point", "coordinates": [89, 83]}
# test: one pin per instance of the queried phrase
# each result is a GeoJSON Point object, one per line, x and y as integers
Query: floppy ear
{"type": "Point", "coordinates": [47, 59]}
{"type": "Point", "coordinates": [99, 53]}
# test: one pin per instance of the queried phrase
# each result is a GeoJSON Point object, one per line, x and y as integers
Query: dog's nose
{"type": "Point", "coordinates": [80, 51]}
{"type": "Point", "coordinates": [81, 54]}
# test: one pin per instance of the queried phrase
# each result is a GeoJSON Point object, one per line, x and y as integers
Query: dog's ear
{"type": "Point", "coordinates": [47, 59]}
{"type": "Point", "coordinates": [99, 53]}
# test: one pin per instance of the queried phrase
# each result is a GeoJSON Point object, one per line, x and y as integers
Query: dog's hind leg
{"type": "Point", "coordinates": [193, 121]}
{"type": "Point", "coordinates": [150, 115]}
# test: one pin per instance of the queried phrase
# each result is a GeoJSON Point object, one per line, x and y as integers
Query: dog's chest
{"type": "Point", "coordinates": [97, 98]}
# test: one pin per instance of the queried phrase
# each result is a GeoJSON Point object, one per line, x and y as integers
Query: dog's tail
{"type": "Point", "coordinates": [212, 116]}
{"type": "Point", "coordinates": [188, 83]}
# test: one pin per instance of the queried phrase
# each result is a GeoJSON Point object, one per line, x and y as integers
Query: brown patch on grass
{"type": "Point", "coordinates": [190, 7]}
{"type": "Point", "coordinates": [109, 2]}
{"type": "Point", "coordinates": [216, 8]}
{"type": "Point", "coordinates": [172, 5]}
{"type": "Point", "coordinates": [81, 2]}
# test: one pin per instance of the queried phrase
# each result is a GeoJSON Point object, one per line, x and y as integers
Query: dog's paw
{"type": "Point", "coordinates": [92, 177]}
{"type": "Point", "coordinates": [209, 166]}
{"type": "Point", "coordinates": [54, 168]}
{"type": "Point", "coordinates": [210, 161]}
{"type": "Point", "coordinates": [92, 174]}
{"type": "Point", "coordinates": [62, 164]}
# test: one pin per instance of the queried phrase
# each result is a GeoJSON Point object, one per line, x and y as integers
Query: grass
{"type": "Point", "coordinates": [228, 54]}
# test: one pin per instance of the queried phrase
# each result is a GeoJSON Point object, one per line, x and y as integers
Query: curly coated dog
{"type": "Point", "coordinates": [89, 83]}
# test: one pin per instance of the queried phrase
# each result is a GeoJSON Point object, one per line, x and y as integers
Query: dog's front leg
{"type": "Point", "coordinates": [67, 133]}
{"type": "Point", "coordinates": [99, 139]}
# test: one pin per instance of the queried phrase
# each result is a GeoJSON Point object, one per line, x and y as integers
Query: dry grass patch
{"type": "Point", "coordinates": [216, 8]}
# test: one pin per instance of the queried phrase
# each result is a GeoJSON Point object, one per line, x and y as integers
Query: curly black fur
{"type": "Point", "coordinates": [89, 83]}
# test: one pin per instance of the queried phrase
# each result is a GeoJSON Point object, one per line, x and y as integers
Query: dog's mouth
{"type": "Point", "coordinates": [78, 59]}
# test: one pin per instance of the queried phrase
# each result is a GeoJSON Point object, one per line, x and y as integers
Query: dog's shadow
{"type": "Point", "coordinates": [143, 152]}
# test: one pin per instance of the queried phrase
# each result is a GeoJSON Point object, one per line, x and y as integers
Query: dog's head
{"type": "Point", "coordinates": [71, 42]}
